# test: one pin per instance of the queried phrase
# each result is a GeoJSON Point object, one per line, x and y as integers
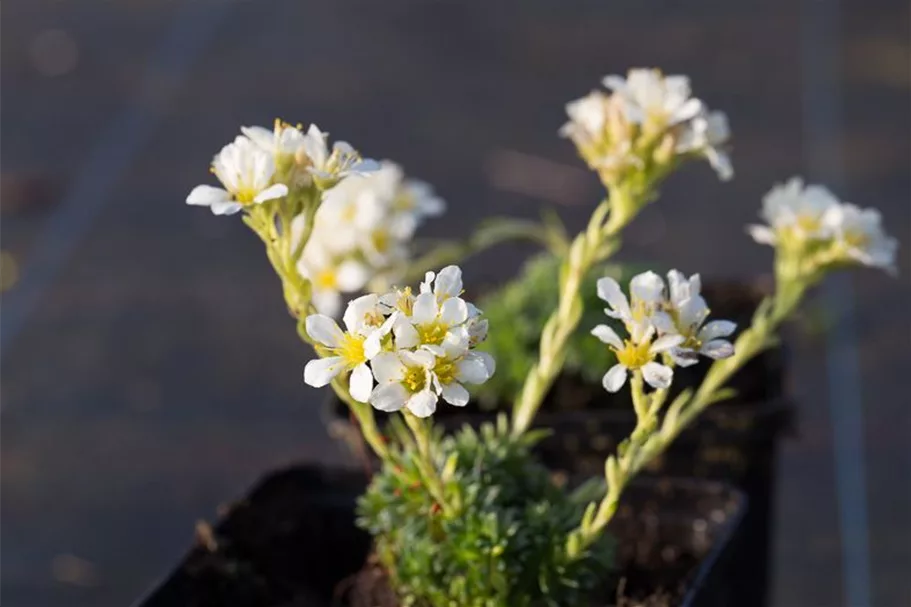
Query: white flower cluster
{"type": "Point", "coordinates": [418, 349]}
{"type": "Point", "coordinates": [810, 220]}
{"type": "Point", "coordinates": [661, 322]}
{"type": "Point", "coordinates": [648, 117]}
{"type": "Point", "coordinates": [362, 227]}
{"type": "Point", "coordinates": [262, 165]}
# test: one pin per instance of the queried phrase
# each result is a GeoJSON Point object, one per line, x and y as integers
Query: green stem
{"type": "Point", "coordinates": [640, 452]}
{"type": "Point", "coordinates": [590, 247]}
{"type": "Point", "coordinates": [421, 430]}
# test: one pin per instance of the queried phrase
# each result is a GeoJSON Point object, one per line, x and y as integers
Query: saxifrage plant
{"type": "Point", "coordinates": [472, 519]}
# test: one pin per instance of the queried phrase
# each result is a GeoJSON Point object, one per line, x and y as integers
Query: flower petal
{"type": "Point", "coordinates": [389, 397]}
{"type": "Point", "coordinates": [609, 290]}
{"type": "Point", "coordinates": [320, 371]}
{"type": "Point", "coordinates": [666, 342]}
{"type": "Point", "coordinates": [657, 375]}
{"type": "Point", "coordinates": [715, 329]}
{"type": "Point", "coordinates": [684, 357]}
{"type": "Point", "coordinates": [455, 394]}
{"type": "Point", "coordinates": [424, 309]}
{"type": "Point", "coordinates": [615, 378]}
{"type": "Point", "coordinates": [406, 336]}
{"type": "Point", "coordinates": [422, 404]}
{"type": "Point", "coordinates": [273, 191]}
{"type": "Point", "coordinates": [360, 384]}
{"type": "Point", "coordinates": [608, 336]}
{"type": "Point", "coordinates": [351, 276]}
{"type": "Point", "coordinates": [647, 287]}
{"type": "Point", "coordinates": [205, 195]}
{"type": "Point", "coordinates": [762, 234]}
{"type": "Point", "coordinates": [448, 283]}
{"type": "Point", "coordinates": [324, 330]}
{"type": "Point", "coordinates": [387, 367]}
{"type": "Point", "coordinates": [454, 311]}
{"type": "Point", "coordinates": [472, 370]}
{"type": "Point", "coordinates": [718, 348]}
{"type": "Point", "coordinates": [225, 208]}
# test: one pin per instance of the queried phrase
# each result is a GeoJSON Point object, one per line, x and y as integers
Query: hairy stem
{"type": "Point", "coordinates": [639, 452]}
{"type": "Point", "coordinates": [589, 248]}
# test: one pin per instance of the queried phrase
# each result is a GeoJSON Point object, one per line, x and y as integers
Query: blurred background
{"type": "Point", "coordinates": [150, 371]}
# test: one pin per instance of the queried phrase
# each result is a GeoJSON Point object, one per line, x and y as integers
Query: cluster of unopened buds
{"type": "Point", "coordinates": [645, 125]}
{"type": "Point", "coordinates": [404, 350]}
{"type": "Point", "coordinates": [663, 324]}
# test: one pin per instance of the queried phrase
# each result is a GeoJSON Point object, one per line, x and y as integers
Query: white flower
{"type": "Point", "coordinates": [644, 318]}
{"type": "Point", "coordinates": [859, 236]}
{"type": "Point", "coordinates": [794, 212]}
{"type": "Point", "coordinates": [706, 134]}
{"type": "Point", "coordinates": [246, 173]}
{"type": "Point", "coordinates": [283, 140]}
{"type": "Point", "coordinates": [644, 308]}
{"type": "Point", "coordinates": [330, 276]}
{"type": "Point", "coordinates": [405, 379]}
{"type": "Point", "coordinates": [651, 96]}
{"type": "Point", "coordinates": [587, 116]}
{"type": "Point", "coordinates": [348, 351]}
{"type": "Point", "coordinates": [688, 310]}
{"type": "Point", "coordinates": [431, 323]}
{"type": "Point", "coordinates": [342, 161]}
{"type": "Point", "coordinates": [446, 284]}
{"type": "Point", "coordinates": [455, 365]}
{"type": "Point", "coordinates": [633, 355]}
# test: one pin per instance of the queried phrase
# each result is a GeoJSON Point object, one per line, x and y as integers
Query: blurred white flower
{"type": "Point", "coordinates": [858, 235]}
{"type": "Point", "coordinates": [348, 352]}
{"type": "Point", "coordinates": [283, 140]}
{"type": "Point", "coordinates": [330, 276]}
{"type": "Point", "coordinates": [332, 166]}
{"type": "Point", "coordinates": [246, 173]}
{"type": "Point", "coordinates": [650, 95]}
{"type": "Point", "coordinates": [706, 134]}
{"type": "Point", "coordinates": [794, 213]}
{"type": "Point", "coordinates": [649, 122]}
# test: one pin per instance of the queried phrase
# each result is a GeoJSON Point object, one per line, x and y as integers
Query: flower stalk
{"type": "Point", "coordinates": [590, 247]}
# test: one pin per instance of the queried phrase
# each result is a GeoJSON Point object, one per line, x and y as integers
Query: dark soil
{"type": "Point", "coordinates": [293, 542]}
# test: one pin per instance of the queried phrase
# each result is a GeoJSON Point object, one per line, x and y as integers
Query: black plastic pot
{"type": "Point", "coordinates": [735, 441]}
{"type": "Point", "coordinates": [292, 542]}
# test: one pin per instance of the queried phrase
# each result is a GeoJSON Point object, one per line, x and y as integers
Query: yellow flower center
{"type": "Point", "coordinates": [352, 349]}
{"type": "Point", "coordinates": [403, 202]}
{"type": "Point", "coordinates": [856, 239]}
{"type": "Point", "coordinates": [380, 240]}
{"type": "Point", "coordinates": [432, 333]}
{"type": "Point", "coordinates": [633, 356]}
{"type": "Point", "coordinates": [809, 224]}
{"type": "Point", "coordinates": [405, 303]}
{"type": "Point", "coordinates": [415, 379]}
{"type": "Point", "coordinates": [245, 195]}
{"type": "Point", "coordinates": [373, 319]}
{"type": "Point", "coordinates": [326, 279]}
{"type": "Point", "coordinates": [446, 370]}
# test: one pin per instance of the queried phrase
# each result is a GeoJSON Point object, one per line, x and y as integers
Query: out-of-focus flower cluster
{"type": "Point", "coordinates": [645, 126]}
{"type": "Point", "coordinates": [262, 165]}
{"type": "Point", "coordinates": [417, 348]}
{"type": "Point", "coordinates": [666, 324]}
{"type": "Point", "coordinates": [814, 231]}
{"type": "Point", "coordinates": [363, 227]}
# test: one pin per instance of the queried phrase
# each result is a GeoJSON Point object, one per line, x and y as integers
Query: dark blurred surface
{"type": "Point", "coordinates": [149, 371]}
